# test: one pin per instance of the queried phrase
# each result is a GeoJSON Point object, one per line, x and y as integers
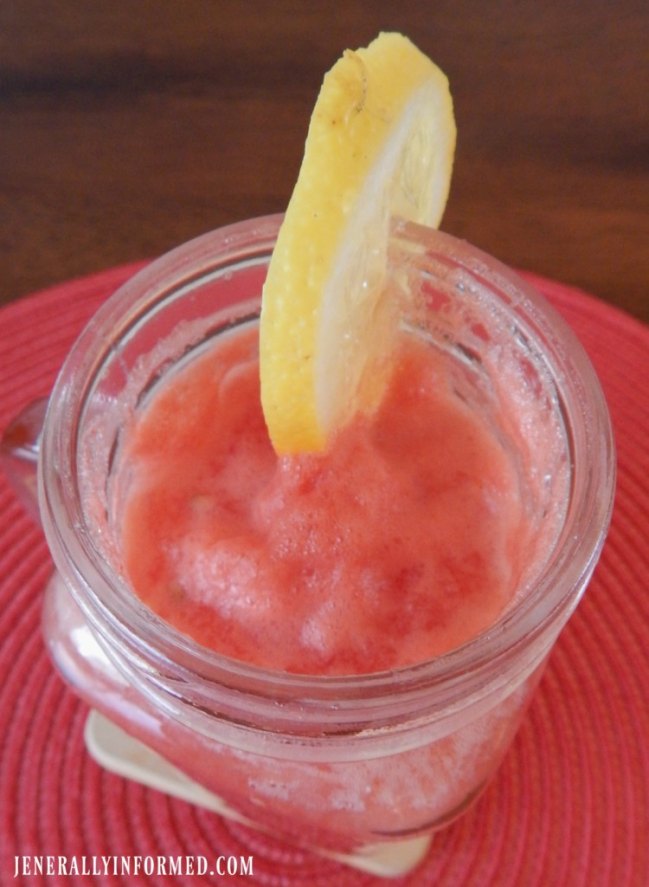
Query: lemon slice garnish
{"type": "Point", "coordinates": [380, 146]}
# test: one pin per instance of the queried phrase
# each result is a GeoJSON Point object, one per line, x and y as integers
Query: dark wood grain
{"type": "Point", "coordinates": [128, 127]}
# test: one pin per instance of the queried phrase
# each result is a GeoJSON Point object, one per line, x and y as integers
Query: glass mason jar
{"type": "Point", "coordinates": [332, 762]}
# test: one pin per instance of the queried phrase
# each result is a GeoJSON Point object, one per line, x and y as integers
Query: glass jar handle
{"type": "Point", "coordinates": [19, 449]}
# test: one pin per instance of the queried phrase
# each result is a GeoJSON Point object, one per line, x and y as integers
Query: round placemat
{"type": "Point", "coordinates": [570, 804]}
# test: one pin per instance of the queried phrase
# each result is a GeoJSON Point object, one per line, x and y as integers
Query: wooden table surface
{"type": "Point", "coordinates": [129, 127]}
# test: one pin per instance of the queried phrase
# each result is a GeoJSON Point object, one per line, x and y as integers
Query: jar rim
{"type": "Point", "coordinates": [540, 614]}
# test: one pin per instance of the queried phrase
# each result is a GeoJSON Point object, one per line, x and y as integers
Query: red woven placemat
{"type": "Point", "coordinates": [570, 805]}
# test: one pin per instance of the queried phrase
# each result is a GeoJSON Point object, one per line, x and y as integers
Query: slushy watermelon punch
{"type": "Point", "coordinates": [322, 489]}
